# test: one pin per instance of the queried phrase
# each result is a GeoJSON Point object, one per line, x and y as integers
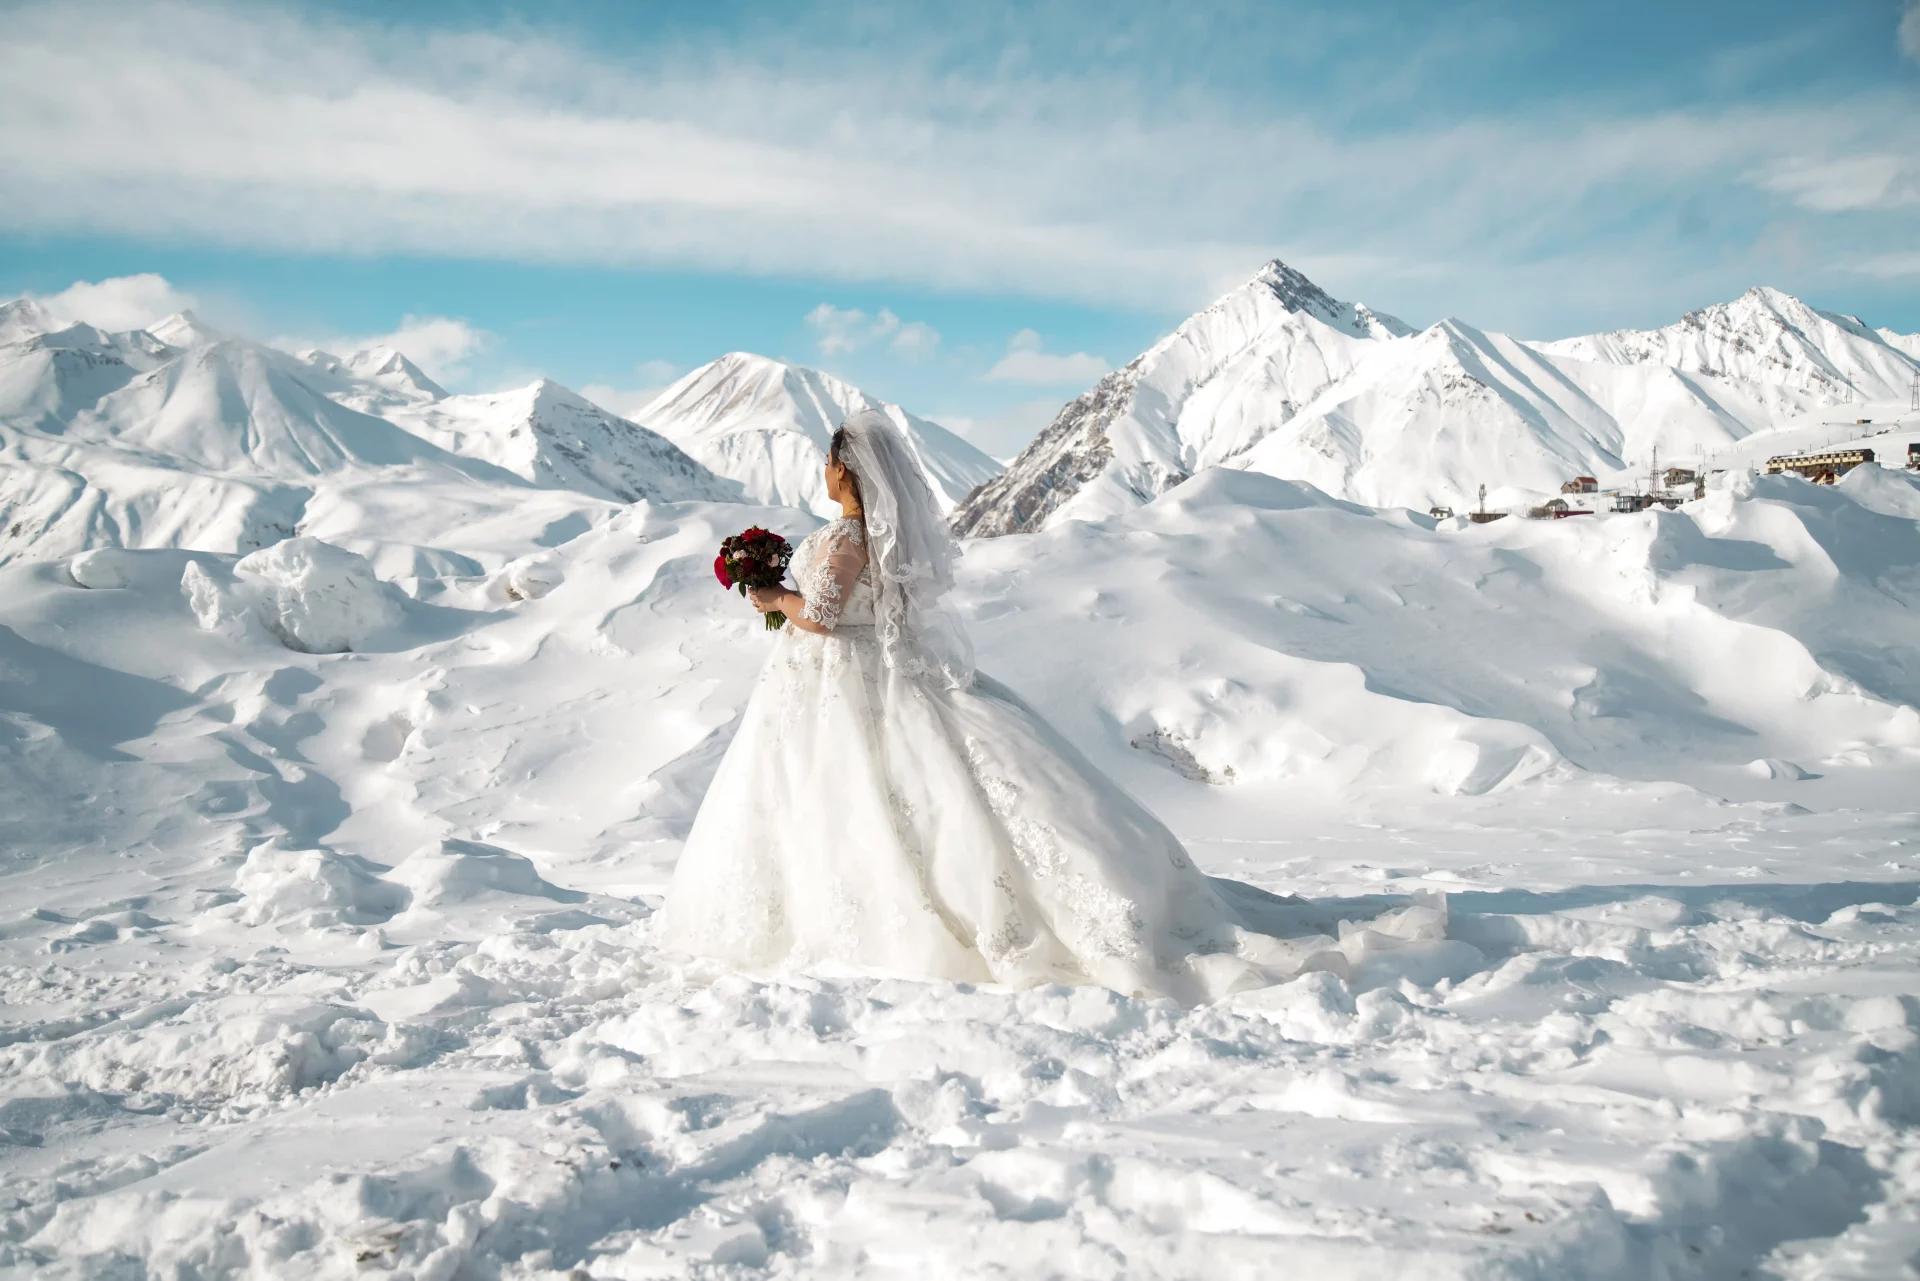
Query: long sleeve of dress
{"type": "Point", "coordinates": [828, 577]}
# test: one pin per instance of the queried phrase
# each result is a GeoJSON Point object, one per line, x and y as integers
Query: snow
{"type": "Point", "coordinates": [1278, 377]}
{"type": "Point", "coordinates": [768, 425]}
{"type": "Point", "coordinates": [180, 436]}
{"type": "Point", "coordinates": [325, 909]}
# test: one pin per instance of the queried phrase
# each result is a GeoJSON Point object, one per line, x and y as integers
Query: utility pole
{"type": "Point", "coordinates": [1914, 407]}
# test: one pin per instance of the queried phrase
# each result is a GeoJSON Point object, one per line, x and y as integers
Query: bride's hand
{"type": "Point", "coordinates": [767, 599]}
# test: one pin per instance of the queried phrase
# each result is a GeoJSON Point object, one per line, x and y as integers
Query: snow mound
{"type": "Point", "coordinates": [319, 598]}
{"type": "Point", "coordinates": [313, 889]}
{"type": "Point", "coordinates": [530, 578]}
{"type": "Point", "coordinates": [458, 871]}
{"type": "Point", "coordinates": [1775, 768]}
{"type": "Point", "coordinates": [102, 568]}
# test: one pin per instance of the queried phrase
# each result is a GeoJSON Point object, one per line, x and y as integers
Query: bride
{"type": "Point", "coordinates": [885, 809]}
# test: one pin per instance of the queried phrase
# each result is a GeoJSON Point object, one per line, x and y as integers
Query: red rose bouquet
{"type": "Point", "coordinates": [758, 559]}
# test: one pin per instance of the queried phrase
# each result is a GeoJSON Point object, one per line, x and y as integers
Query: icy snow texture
{"type": "Point", "coordinates": [322, 964]}
{"type": "Point", "coordinates": [1278, 377]}
{"type": "Point", "coordinates": [768, 425]}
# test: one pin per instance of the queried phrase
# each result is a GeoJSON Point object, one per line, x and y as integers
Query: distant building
{"type": "Point", "coordinates": [1677, 476]}
{"type": "Point", "coordinates": [1555, 509]}
{"type": "Point", "coordinates": [1482, 518]}
{"type": "Point", "coordinates": [1581, 485]}
{"type": "Point", "coordinates": [1913, 456]}
{"type": "Point", "coordinates": [1440, 513]}
{"type": "Point", "coordinates": [1822, 468]}
{"type": "Point", "coordinates": [1632, 502]}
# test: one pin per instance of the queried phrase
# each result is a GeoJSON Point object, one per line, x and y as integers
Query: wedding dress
{"type": "Point", "coordinates": [883, 809]}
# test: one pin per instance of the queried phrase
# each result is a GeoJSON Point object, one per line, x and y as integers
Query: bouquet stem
{"type": "Point", "coordinates": [775, 620]}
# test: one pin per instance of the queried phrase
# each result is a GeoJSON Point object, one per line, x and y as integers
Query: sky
{"type": "Point", "coordinates": [973, 211]}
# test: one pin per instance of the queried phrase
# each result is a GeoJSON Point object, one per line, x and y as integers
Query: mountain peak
{"type": "Point", "coordinates": [184, 329]}
{"type": "Point", "coordinates": [389, 367]}
{"type": "Point", "coordinates": [1295, 292]}
{"type": "Point", "coordinates": [23, 318]}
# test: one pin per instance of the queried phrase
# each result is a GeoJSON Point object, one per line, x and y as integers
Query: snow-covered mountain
{"type": "Point", "coordinates": [181, 436]}
{"type": "Point", "coordinates": [1766, 340]}
{"type": "Point", "coordinates": [767, 425]}
{"type": "Point", "coordinates": [1909, 343]}
{"type": "Point", "coordinates": [1211, 389]}
{"type": "Point", "coordinates": [1280, 378]}
{"type": "Point", "coordinates": [546, 434]}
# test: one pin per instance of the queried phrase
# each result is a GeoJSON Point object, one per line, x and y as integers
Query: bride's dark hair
{"type": "Point", "coordinates": [836, 451]}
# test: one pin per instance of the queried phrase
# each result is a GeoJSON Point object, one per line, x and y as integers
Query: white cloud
{"type": "Point", "coordinates": [654, 377]}
{"type": "Point", "coordinates": [915, 338]}
{"type": "Point", "coordinates": [1025, 362]}
{"type": "Point", "coordinates": [1895, 266]}
{"type": "Point", "coordinates": [1838, 184]}
{"type": "Point", "coordinates": [270, 127]}
{"type": "Point", "coordinates": [119, 302]}
{"type": "Point", "coordinates": [1910, 30]}
{"type": "Point", "coordinates": [440, 345]}
{"type": "Point", "coordinates": [838, 330]}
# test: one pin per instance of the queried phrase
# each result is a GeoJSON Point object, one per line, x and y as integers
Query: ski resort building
{"type": "Point", "coordinates": [1556, 509]}
{"type": "Point", "coordinates": [1822, 468]}
{"type": "Point", "coordinates": [1581, 485]}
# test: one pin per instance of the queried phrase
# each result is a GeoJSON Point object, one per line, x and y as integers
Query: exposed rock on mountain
{"type": "Point", "coordinates": [1281, 378]}
{"type": "Point", "coordinates": [1218, 384]}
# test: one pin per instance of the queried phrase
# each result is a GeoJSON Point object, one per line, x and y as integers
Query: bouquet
{"type": "Point", "coordinates": [757, 558]}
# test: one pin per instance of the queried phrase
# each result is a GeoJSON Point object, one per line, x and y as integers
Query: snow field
{"type": "Point", "coordinates": [328, 963]}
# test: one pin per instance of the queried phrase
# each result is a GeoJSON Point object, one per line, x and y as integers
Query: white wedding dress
{"type": "Point", "coordinates": [872, 817]}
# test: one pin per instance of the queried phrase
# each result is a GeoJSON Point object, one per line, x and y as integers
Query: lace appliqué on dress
{"type": "Point", "coordinates": [1106, 923]}
{"type": "Point", "coordinates": [831, 561]}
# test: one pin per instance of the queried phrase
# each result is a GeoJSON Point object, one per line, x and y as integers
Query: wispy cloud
{"type": "Point", "coordinates": [1842, 183]}
{"type": "Point", "coordinates": [1888, 266]}
{"type": "Point", "coordinates": [275, 128]}
{"type": "Point", "coordinates": [838, 330]}
{"type": "Point", "coordinates": [1909, 34]}
{"type": "Point", "coordinates": [119, 302]}
{"type": "Point", "coordinates": [1025, 362]}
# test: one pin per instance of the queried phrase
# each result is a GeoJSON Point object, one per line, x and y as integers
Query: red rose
{"type": "Point", "coordinates": [720, 571]}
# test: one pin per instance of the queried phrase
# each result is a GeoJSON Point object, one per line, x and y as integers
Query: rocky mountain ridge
{"type": "Point", "coordinates": [1280, 377]}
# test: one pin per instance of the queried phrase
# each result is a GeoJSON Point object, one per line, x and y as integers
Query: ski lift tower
{"type": "Point", "coordinates": [1914, 404]}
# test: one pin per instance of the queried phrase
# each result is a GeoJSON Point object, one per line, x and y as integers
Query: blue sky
{"type": "Point", "coordinates": [971, 210]}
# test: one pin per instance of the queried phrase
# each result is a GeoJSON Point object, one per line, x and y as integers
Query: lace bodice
{"type": "Point", "coordinates": [831, 568]}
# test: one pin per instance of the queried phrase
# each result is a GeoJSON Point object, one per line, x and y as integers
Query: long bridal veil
{"type": "Point", "coordinates": [912, 553]}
